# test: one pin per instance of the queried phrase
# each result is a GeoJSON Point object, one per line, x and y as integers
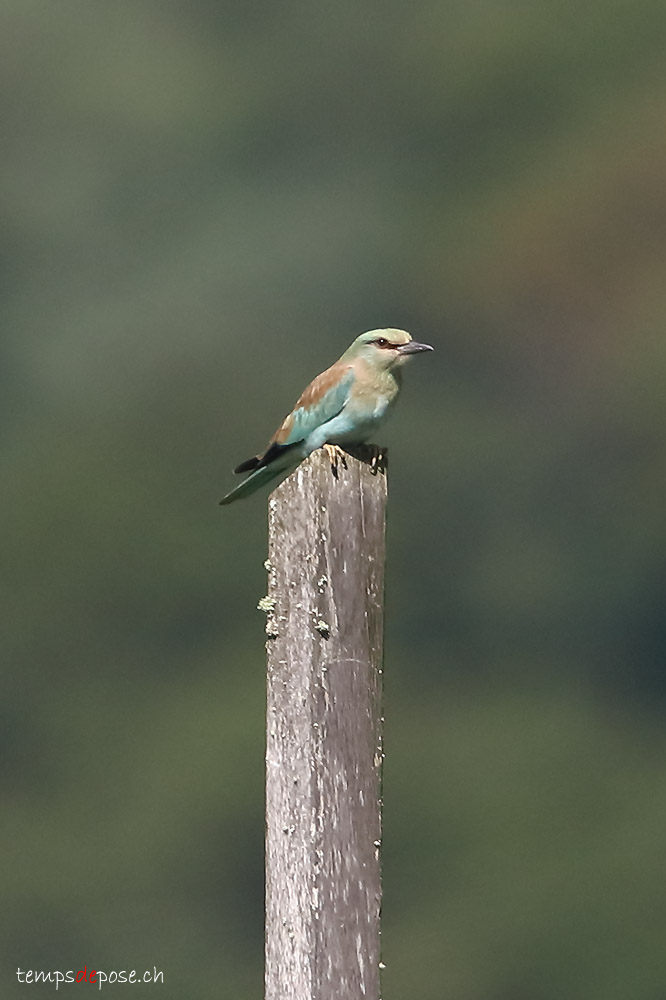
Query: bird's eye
{"type": "Point", "coordinates": [381, 342]}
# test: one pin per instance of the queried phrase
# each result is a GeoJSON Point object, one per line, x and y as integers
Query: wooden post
{"type": "Point", "coordinates": [324, 733]}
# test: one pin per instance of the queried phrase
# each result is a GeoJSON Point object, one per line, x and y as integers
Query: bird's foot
{"type": "Point", "coordinates": [373, 455]}
{"type": "Point", "coordinates": [336, 456]}
{"type": "Point", "coordinates": [378, 458]}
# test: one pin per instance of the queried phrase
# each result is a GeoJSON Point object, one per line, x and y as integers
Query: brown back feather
{"type": "Point", "coordinates": [311, 396]}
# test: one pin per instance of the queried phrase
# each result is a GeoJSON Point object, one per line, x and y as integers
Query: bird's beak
{"type": "Point", "coordinates": [413, 348]}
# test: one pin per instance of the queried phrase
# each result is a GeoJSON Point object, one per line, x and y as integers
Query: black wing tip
{"type": "Point", "coordinates": [261, 461]}
{"type": "Point", "coordinates": [247, 466]}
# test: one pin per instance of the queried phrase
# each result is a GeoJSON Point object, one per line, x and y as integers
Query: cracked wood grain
{"type": "Point", "coordinates": [324, 733]}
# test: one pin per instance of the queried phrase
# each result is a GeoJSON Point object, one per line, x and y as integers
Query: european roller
{"type": "Point", "coordinates": [343, 406]}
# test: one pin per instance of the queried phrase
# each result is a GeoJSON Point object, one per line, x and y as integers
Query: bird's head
{"type": "Point", "coordinates": [385, 349]}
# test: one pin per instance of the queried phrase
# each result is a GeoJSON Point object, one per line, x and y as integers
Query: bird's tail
{"type": "Point", "coordinates": [262, 476]}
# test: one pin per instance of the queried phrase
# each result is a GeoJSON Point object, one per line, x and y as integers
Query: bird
{"type": "Point", "coordinates": [343, 406]}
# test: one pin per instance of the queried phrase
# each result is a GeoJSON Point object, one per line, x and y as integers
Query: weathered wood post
{"type": "Point", "coordinates": [324, 733]}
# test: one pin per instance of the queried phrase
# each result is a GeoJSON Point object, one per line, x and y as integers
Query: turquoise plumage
{"type": "Point", "coordinates": [343, 406]}
{"type": "Point", "coordinates": [304, 420]}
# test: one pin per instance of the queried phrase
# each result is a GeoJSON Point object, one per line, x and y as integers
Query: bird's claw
{"type": "Point", "coordinates": [378, 463]}
{"type": "Point", "coordinates": [377, 458]}
{"type": "Point", "coordinates": [373, 455]}
{"type": "Point", "coordinates": [370, 454]}
{"type": "Point", "coordinates": [336, 456]}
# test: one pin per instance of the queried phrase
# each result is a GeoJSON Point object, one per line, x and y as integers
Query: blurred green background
{"type": "Point", "coordinates": [203, 203]}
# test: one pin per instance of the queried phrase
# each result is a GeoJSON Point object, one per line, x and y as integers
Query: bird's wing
{"type": "Point", "coordinates": [323, 399]}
